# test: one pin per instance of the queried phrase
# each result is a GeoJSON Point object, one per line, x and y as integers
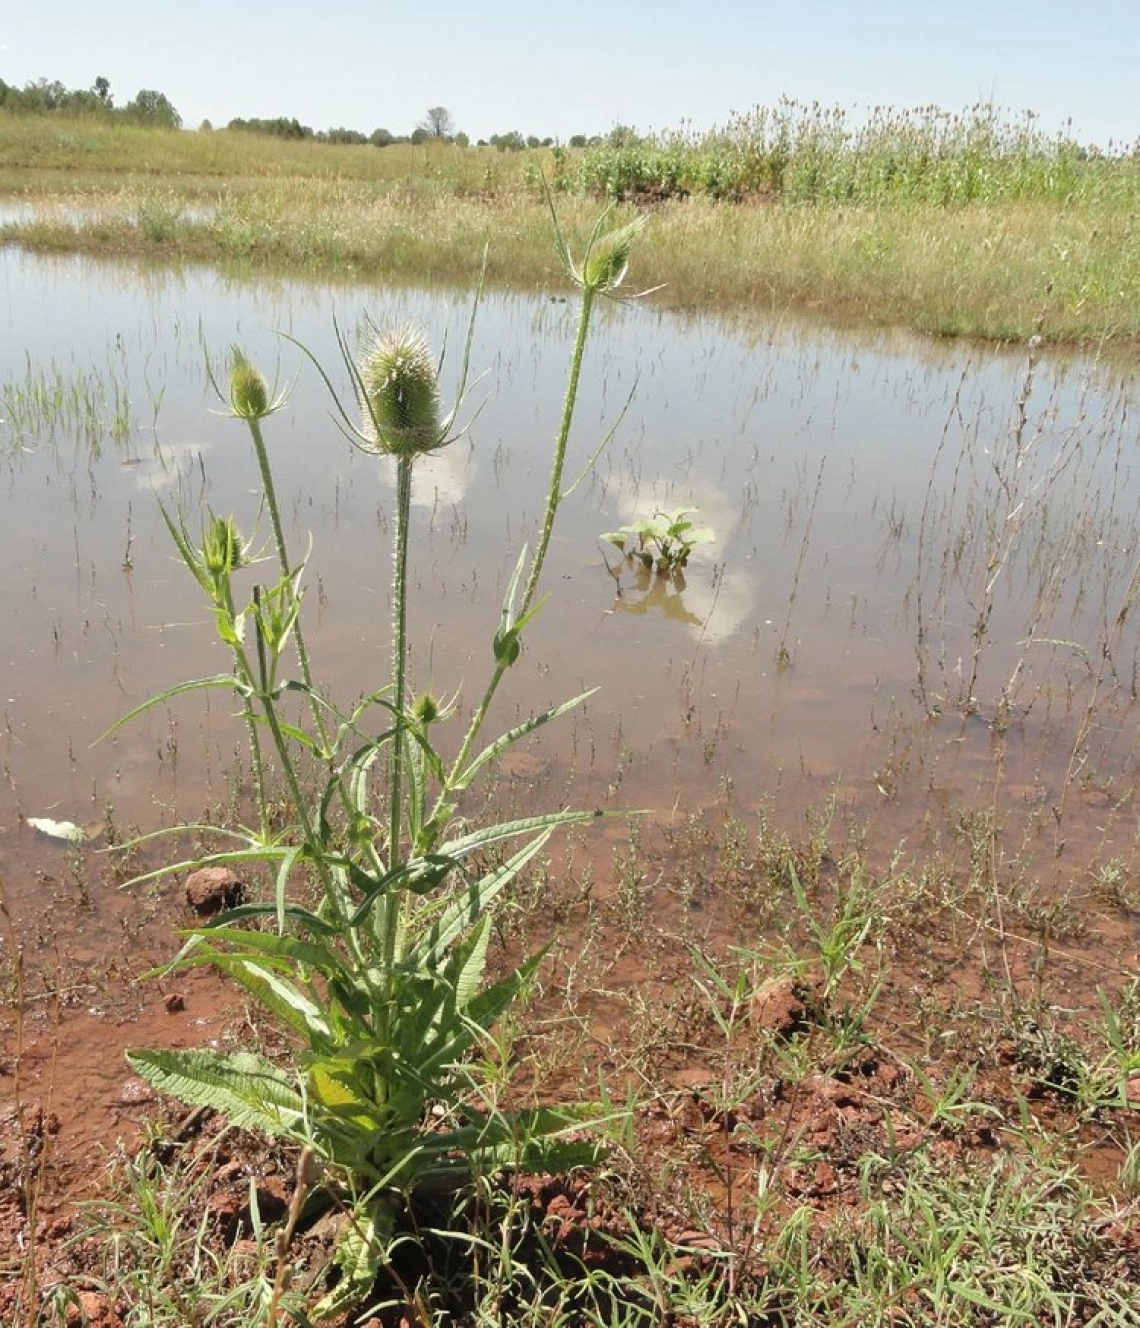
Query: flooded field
{"type": "Point", "coordinates": [918, 594]}
{"type": "Point", "coordinates": [917, 601]}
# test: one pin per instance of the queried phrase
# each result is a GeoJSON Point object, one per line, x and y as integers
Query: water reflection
{"type": "Point", "coordinates": [883, 535]}
{"type": "Point", "coordinates": [656, 592]}
{"type": "Point", "coordinates": [716, 606]}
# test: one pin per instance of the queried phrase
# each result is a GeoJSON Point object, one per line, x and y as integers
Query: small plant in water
{"type": "Point", "coordinates": [661, 543]}
{"type": "Point", "coordinates": [382, 980]}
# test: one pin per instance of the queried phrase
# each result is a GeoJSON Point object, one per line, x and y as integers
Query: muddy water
{"type": "Point", "coordinates": [917, 599]}
{"type": "Point", "coordinates": [884, 512]}
{"type": "Point", "coordinates": [917, 603]}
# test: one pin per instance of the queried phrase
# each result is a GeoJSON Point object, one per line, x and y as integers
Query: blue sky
{"type": "Point", "coordinates": [583, 67]}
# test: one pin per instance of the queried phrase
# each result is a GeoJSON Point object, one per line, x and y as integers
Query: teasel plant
{"type": "Point", "coordinates": [381, 981]}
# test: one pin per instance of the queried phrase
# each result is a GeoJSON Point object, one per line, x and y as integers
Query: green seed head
{"type": "Point", "coordinates": [249, 395]}
{"type": "Point", "coordinates": [507, 647]}
{"type": "Point", "coordinates": [607, 259]}
{"type": "Point", "coordinates": [399, 394]}
{"type": "Point", "coordinates": [222, 548]}
{"type": "Point", "coordinates": [427, 709]}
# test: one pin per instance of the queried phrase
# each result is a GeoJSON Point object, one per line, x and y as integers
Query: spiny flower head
{"type": "Point", "coordinates": [399, 394]}
{"type": "Point", "coordinates": [427, 709]}
{"type": "Point", "coordinates": [249, 393]}
{"type": "Point", "coordinates": [223, 550]}
{"type": "Point", "coordinates": [249, 396]}
{"type": "Point", "coordinates": [606, 259]}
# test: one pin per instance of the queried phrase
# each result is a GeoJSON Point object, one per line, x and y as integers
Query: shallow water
{"type": "Point", "coordinates": [884, 508]}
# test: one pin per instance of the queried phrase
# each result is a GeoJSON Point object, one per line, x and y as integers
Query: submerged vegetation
{"type": "Point", "coordinates": [956, 225]}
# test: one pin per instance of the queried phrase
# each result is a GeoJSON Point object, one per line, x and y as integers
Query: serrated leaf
{"type": "Point", "coordinates": [333, 1091]}
{"type": "Point", "coordinates": [358, 1257]}
{"type": "Point", "coordinates": [243, 1086]}
{"type": "Point", "coordinates": [471, 902]}
{"type": "Point", "coordinates": [474, 962]}
{"type": "Point", "coordinates": [490, 752]}
{"type": "Point", "coordinates": [532, 1140]}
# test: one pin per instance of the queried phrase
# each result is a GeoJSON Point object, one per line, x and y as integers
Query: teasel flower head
{"type": "Point", "coordinates": [223, 550]}
{"type": "Point", "coordinates": [249, 396]}
{"type": "Point", "coordinates": [426, 709]}
{"type": "Point", "coordinates": [399, 395]}
{"type": "Point", "coordinates": [605, 261]}
{"type": "Point", "coordinates": [397, 392]}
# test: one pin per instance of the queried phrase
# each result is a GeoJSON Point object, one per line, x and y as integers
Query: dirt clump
{"type": "Point", "coordinates": [211, 889]}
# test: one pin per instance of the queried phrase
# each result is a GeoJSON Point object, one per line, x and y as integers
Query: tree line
{"type": "Point", "coordinates": [149, 107]}
{"type": "Point", "coordinates": [437, 126]}
{"type": "Point", "coordinates": [51, 97]}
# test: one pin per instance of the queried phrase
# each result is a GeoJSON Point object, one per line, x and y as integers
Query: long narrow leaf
{"type": "Point", "coordinates": [593, 459]}
{"type": "Point", "coordinates": [260, 854]}
{"type": "Point", "coordinates": [494, 834]}
{"type": "Point", "coordinates": [490, 752]}
{"type": "Point", "coordinates": [484, 1009]}
{"type": "Point", "coordinates": [417, 874]}
{"type": "Point", "coordinates": [291, 951]}
{"type": "Point", "coordinates": [282, 882]}
{"type": "Point", "coordinates": [469, 978]}
{"type": "Point", "coordinates": [465, 910]}
{"type": "Point", "coordinates": [281, 997]}
{"type": "Point", "coordinates": [195, 684]}
{"type": "Point", "coordinates": [303, 917]}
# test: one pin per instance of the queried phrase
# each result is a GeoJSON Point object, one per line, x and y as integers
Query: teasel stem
{"type": "Point", "coordinates": [399, 686]}
{"type": "Point", "coordinates": [313, 843]}
{"type": "Point", "coordinates": [250, 721]}
{"type": "Point", "coordinates": [270, 492]}
{"type": "Point", "coordinates": [268, 489]}
{"type": "Point", "coordinates": [553, 499]}
{"type": "Point", "coordinates": [554, 496]}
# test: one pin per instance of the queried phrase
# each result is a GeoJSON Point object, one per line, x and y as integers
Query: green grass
{"type": "Point", "coordinates": [96, 156]}
{"type": "Point", "coordinates": [957, 234]}
{"type": "Point", "coordinates": [797, 153]}
{"type": "Point", "coordinates": [1011, 1242]}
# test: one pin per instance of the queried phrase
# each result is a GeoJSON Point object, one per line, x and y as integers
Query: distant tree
{"type": "Point", "coordinates": [282, 127]}
{"type": "Point", "coordinates": [577, 140]}
{"type": "Point", "coordinates": [41, 96]}
{"type": "Point", "coordinates": [152, 108]}
{"type": "Point", "coordinates": [342, 136]}
{"type": "Point", "coordinates": [381, 138]}
{"type": "Point", "coordinates": [512, 142]}
{"type": "Point", "coordinates": [438, 124]}
{"type": "Point", "coordinates": [420, 135]}
{"type": "Point", "coordinates": [461, 140]}
{"type": "Point", "coordinates": [206, 127]}
{"type": "Point", "coordinates": [102, 88]}
{"type": "Point", "coordinates": [533, 141]}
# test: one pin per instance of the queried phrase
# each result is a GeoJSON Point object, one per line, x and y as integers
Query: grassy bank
{"type": "Point", "coordinates": [982, 240]}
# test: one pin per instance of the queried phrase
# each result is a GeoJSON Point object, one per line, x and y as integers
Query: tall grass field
{"type": "Point", "coordinates": [975, 224]}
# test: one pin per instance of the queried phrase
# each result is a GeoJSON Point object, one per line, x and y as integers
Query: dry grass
{"type": "Point", "coordinates": [423, 215]}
